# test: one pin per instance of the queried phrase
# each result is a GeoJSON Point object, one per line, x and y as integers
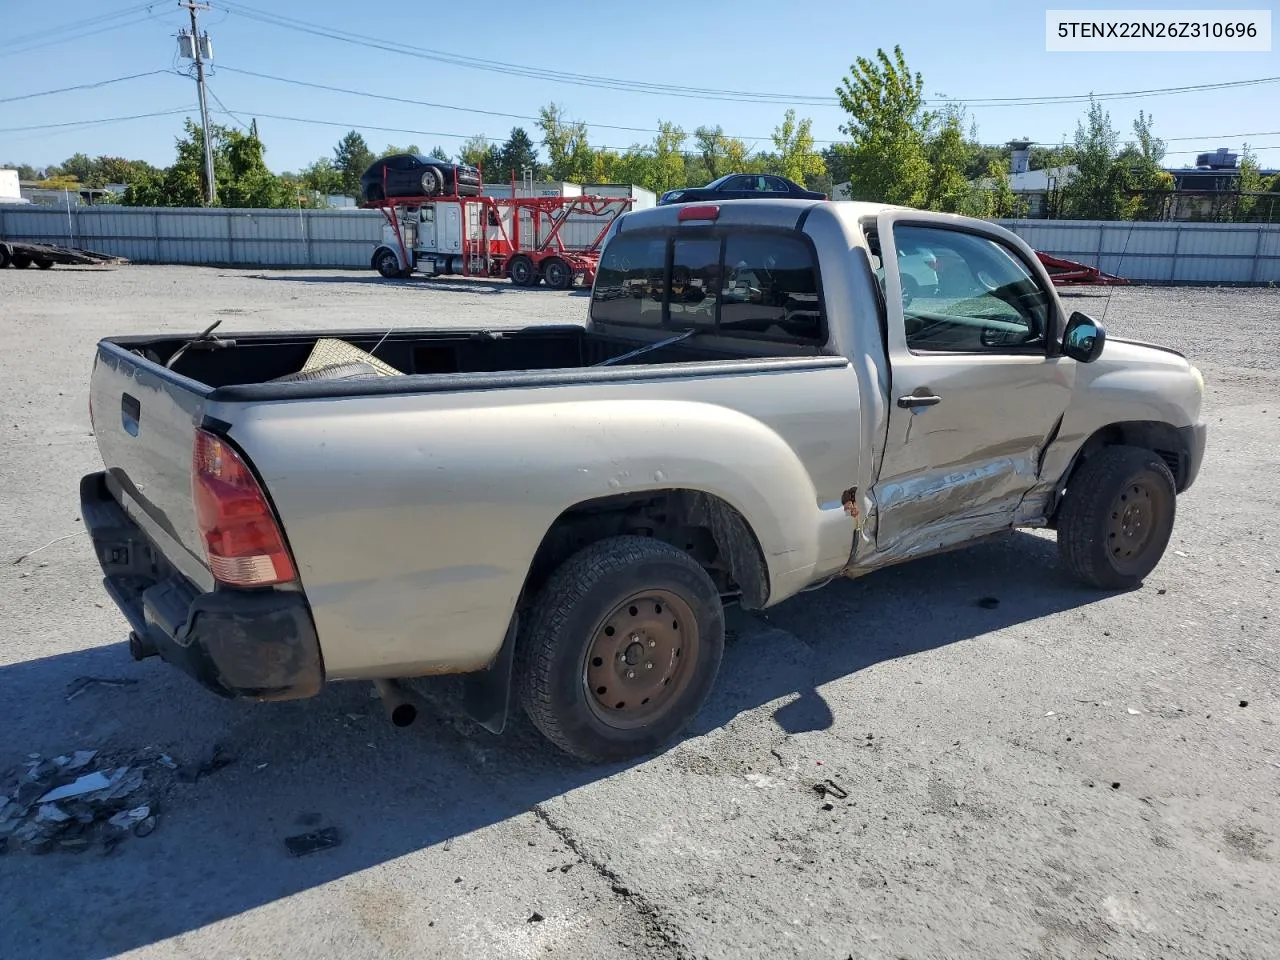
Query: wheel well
{"type": "Point", "coordinates": [373, 261]}
{"type": "Point", "coordinates": [708, 528]}
{"type": "Point", "coordinates": [1160, 438]}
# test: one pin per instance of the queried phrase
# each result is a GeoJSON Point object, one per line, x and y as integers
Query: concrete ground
{"type": "Point", "coordinates": [1070, 774]}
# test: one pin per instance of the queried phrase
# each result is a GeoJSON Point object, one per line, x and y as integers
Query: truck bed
{"type": "Point", "coordinates": [263, 358]}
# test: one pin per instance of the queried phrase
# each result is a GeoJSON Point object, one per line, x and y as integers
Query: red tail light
{"type": "Point", "coordinates": [241, 538]}
{"type": "Point", "coordinates": [699, 212]}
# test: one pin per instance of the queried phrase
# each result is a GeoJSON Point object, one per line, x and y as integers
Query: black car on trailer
{"type": "Point", "coordinates": [742, 186]}
{"type": "Point", "coordinates": [415, 175]}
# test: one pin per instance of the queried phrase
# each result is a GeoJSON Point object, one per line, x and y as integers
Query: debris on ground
{"type": "Point", "coordinates": [535, 917]}
{"type": "Point", "coordinates": [215, 758]}
{"type": "Point", "coordinates": [75, 801]}
{"type": "Point", "coordinates": [306, 843]}
{"type": "Point", "coordinates": [81, 684]}
{"type": "Point", "coordinates": [829, 786]}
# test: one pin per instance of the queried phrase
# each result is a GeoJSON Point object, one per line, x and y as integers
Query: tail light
{"type": "Point", "coordinates": [241, 539]}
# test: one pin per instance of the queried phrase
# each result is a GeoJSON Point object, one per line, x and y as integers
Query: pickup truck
{"type": "Point", "coordinates": [757, 403]}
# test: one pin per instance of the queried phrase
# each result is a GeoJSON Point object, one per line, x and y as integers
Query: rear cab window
{"type": "Point", "coordinates": [734, 282]}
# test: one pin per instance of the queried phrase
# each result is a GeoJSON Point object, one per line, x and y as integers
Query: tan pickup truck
{"type": "Point", "coordinates": [759, 401]}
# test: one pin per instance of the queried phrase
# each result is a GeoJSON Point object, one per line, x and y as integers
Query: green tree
{"type": "Point", "coordinates": [351, 158]}
{"type": "Point", "coordinates": [668, 171]}
{"type": "Point", "coordinates": [1099, 189]}
{"type": "Point", "coordinates": [948, 154]}
{"type": "Point", "coordinates": [479, 152]}
{"type": "Point", "coordinates": [569, 154]}
{"type": "Point", "coordinates": [391, 149]}
{"type": "Point", "coordinates": [795, 158]}
{"type": "Point", "coordinates": [79, 166]}
{"type": "Point", "coordinates": [439, 152]}
{"type": "Point", "coordinates": [322, 177]}
{"type": "Point", "coordinates": [885, 102]}
{"type": "Point", "coordinates": [518, 154]}
{"type": "Point", "coordinates": [719, 154]}
{"type": "Point", "coordinates": [1249, 206]}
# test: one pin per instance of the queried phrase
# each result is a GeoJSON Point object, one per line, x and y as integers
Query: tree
{"type": "Point", "coordinates": [1097, 191]}
{"type": "Point", "coordinates": [795, 158]}
{"type": "Point", "coordinates": [351, 158]}
{"type": "Point", "coordinates": [668, 170]}
{"type": "Point", "coordinates": [439, 152]}
{"type": "Point", "coordinates": [1141, 171]}
{"type": "Point", "coordinates": [79, 167]}
{"type": "Point", "coordinates": [322, 177]}
{"type": "Point", "coordinates": [239, 167]}
{"type": "Point", "coordinates": [479, 152]}
{"type": "Point", "coordinates": [948, 154]}
{"type": "Point", "coordinates": [886, 159]}
{"type": "Point", "coordinates": [518, 154]}
{"type": "Point", "coordinates": [721, 154]}
{"type": "Point", "coordinates": [569, 153]}
{"type": "Point", "coordinates": [391, 149]}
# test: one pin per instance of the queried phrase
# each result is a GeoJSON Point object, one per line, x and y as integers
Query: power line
{"type": "Point", "coordinates": [87, 123]}
{"type": "Point", "coordinates": [537, 73]}
{"type": "Point", "coordinates": [84, 86]}
{"type": "Point", "coordinates": [637, 86]}
{"type": "Point", "coordinates": [75, 35]}
{"type": "Point", "coordinates": [78, 23]}
{"type": "Point", "coordinates": [218, 101]}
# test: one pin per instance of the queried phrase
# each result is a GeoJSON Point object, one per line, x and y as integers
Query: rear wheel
{"type": "Point", "coordinates": [1117, 517]}
{"type": "Point", "coordinates": [520, 269]}
{"type": "Point", "coordinates": [21, 261]}
{"type": "Point", "coordinates": [4, 256]}
{"type": "Point", "coordinates": [44, 264]}
{"type": "Point", "coordinates": [621, 649]}
{"type": "Point", "coordinates": [557, 273]}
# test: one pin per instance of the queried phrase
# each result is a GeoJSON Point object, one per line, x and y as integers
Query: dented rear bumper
{"type": "Point", "coordinates": [259, 644]}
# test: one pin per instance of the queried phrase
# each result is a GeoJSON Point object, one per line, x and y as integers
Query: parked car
{"type": "Point", "coordinates": [413, 175]}
{"type": "Point", "coordinates": [561, 513]}
{"type": "Point", "coordinates": [742, 186]}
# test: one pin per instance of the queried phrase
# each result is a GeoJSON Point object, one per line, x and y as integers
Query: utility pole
{"type": "Point", "coordinates": [197, 54]}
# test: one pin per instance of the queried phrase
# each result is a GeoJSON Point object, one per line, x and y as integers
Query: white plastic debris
{"type": "Point", "coordinates": [1134, 713]}
{"type": "Point", "coordinates": [50, 813]}
{"type": "Point", "coordinates": [168, 761]}
{"type": "Point", "coordinates": [82, 785]}
{"type": "Point", "coordinates": [126, 819]}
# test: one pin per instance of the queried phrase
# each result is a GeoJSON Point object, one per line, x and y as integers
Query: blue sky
{"type": "Point", "coordinates": [965, 51]}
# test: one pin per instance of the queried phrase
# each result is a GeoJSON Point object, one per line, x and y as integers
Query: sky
{"type": "Point", "coordinates": [796, 57]}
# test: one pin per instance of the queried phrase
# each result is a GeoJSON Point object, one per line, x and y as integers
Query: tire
{"type": "Point", "coordinates": [557, 273]}
{"type": "Point", "coordinates": [1117, 517]}
{"type": "Point", "coordinates": [520, 269]}
{"type": "Point", "coordinates": [387, 264]}
{"type": "Point", "coordinates": [432, 182]}
{"type": "Point", "coordinates": [21, 261]}
{"type": "Point", "coordinates": [4, 256]}
{"type": "Point", "coordinates": [570, 668]}
{"type": "Point", "coordinates": [44, 264]}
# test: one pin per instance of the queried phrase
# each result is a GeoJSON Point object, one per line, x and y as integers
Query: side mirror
{"type": "Point", "coordinates": [1084, 338]}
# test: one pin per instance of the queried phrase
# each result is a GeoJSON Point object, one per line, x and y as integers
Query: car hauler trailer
{"type": "Point", "coordinates": [522, 238]}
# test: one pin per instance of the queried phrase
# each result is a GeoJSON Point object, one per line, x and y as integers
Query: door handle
{"type": "Point", "coordinates": [912, 401]}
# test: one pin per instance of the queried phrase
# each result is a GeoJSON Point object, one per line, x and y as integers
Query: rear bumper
{"type": "Point", "coordinates": [238, 643]}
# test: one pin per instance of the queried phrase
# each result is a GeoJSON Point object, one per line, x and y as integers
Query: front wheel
{"type": "Point", "coordinates": [44, 264]}
{"type": "Point", "coordinates": [1117, 517]}
{"type": "Point", "coordinates": [621, 649]}
{"type": "Point", "coordinates": [432, 182]}
{"type": "Point", "coordinates": [388, 264]}
{"type": "Point", "coordinates": [21, 261]}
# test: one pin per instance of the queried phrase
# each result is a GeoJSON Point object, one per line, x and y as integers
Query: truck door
{"type": "Point", "coordinates": [977, 385]}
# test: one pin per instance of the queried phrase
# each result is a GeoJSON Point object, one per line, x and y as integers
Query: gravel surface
{"type": "Point", "coordinates": [1067, 774]}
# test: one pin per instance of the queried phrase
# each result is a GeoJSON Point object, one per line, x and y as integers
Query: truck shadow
{"type": "Point", "coordinates": [219, 849]}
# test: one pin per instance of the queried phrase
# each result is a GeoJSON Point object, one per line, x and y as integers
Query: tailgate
{"type": "Point", "coordinates": [145, 418]}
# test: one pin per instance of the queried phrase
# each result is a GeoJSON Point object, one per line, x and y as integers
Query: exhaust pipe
{"type": "Point", "coordinates": [401, 711]}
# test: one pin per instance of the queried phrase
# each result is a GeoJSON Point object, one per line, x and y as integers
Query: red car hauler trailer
{"type": "Point", "coordinates": [518, 237]}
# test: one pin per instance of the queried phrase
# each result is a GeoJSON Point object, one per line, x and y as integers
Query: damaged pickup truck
{"type": "Point", "coordinates": [767, 394]}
